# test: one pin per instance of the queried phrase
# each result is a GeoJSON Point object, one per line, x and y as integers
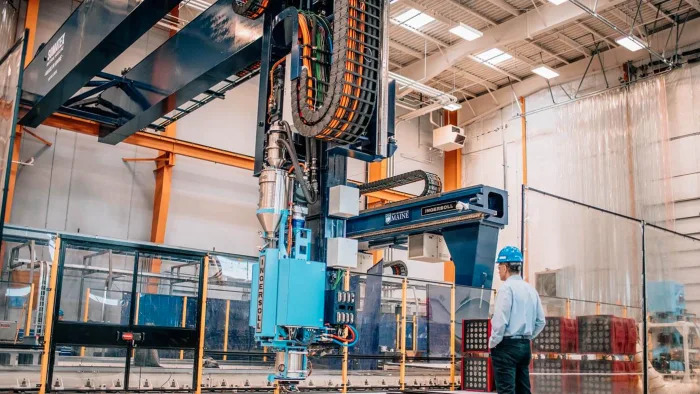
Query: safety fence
{"type": "Point", "coordinates": [602, 267]}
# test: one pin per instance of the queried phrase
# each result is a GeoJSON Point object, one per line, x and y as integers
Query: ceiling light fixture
{"type": "Point", "coordinates": [557, 2]}
{"type": "Point", "coordinates": [632, 43]}
{"type": "Point", "coordinates": [493, 56]}
{"type": "Point", "coordinates": [414, 18]}
{"type": "Point", "coordinates": [545, 72]}
{"type": "Point", "coordinates": [466, 32]}
{"type": "Point", "coordinates": [452, 106]}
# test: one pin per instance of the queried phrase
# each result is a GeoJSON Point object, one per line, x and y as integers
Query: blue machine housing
{"type": "Point", "coordinates": [469, 219]}
{"type": "Point", "coordinates": [666, 297]}
{"type": "Point", "coordinates": [294, 292]}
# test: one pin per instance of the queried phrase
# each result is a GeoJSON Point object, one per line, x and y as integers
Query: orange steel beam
{"type": "Point", "coordinates": [33, 134]}
{"type": "Point", "coordinates": [157, 142]}
{"type": "Point", "coordinates": [453, 181]}
{"type": "Point", "coordinates": [30, 23]}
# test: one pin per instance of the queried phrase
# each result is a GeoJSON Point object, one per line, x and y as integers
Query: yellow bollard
{"type": "Point", "coordinates": [86, 311]}
{"type": "Point", "coordinates": [402, 367]}
{"type": "Point", "coordinates": [453, 333]}
{"type": "Point", "coordinates": [344, 373]}
{"type": "Point", "coordinates": [48, 320]}
{"type": "Point", "coordinates": [226, 323]}
{"type": "Point", "coordinates": [200, 351]}
{"type": "Point", "coordinates": [184, 321]}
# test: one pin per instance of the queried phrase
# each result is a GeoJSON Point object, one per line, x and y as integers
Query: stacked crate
{"type": "Point", "coordinates": [477, 369]}
{"type": "Point", "coordinates": [602, 380]}
{"type": "Point", "coordinates": [605, 334]}
{"type": "Point", "coordinates": [553, 381]}
{"type": "Point", "coordinates": [560, 335]}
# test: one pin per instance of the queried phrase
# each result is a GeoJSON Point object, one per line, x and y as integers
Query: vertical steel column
{"type": "Point", "coordinates": [133, 320]}
{"type": "Point", "coordinates": [645, 344]}
{"type": "Point", "coordinates": [48, 319]}
{"type": "Point", "coordinates": [86, 311]}
{"type": "Point", "coordinates": [453, 336]}
{"type": "Point", "coordinates": [183, 321]}
{"type": "Point", "coordinates": [344, 370]}
{"type": "Point", "coordinates": [568, 308]}
{"type": "Point", "coordinates": [199, 355]}
{"type": "Point", "coordinates": [402, 368]}
{"type": "Point", "coordinates": [30, 305]}
{"type": "Point", "coordinates": [452, 164]}
{"type": "Point", "coordinates": [523, 139]}
{"type": "Point", "coordinates": [226, 327]}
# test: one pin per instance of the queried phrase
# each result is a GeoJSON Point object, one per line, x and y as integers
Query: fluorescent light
{"type": "Point", "coordinates": [493, 56]}
{"type": "Point", "coordinates": [632, 43]}
{"type": "Point", "coordinates": [414, 18]}
{"type": "Point", "coordinates": [393, 1]}
{"type": "Point", "coordinates": [557, 2]}
{"type": "Point", "coordinates": [545, 72]}
{"type": "Point", "coordinates": [452, 106]}
{"type": "Point", "coordinates": [466, 32]}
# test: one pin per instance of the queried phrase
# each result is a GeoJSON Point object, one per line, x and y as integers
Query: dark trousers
{"type": "Point", "coordinates": [511, 365]}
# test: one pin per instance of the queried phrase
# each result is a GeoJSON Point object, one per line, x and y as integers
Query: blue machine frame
{"type": "Point", "coordinates": [469, 219]}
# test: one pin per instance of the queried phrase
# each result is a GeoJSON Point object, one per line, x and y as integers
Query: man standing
{"type": "Point", "coordinates": [517, 319]}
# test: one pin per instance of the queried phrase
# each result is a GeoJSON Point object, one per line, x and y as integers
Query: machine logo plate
{"type": "Point", "coordinates": [397, 217]}
{"type": "Point", "coordinates": [261, 289]}
{"type": "Point", "coordinates": [439, 208]}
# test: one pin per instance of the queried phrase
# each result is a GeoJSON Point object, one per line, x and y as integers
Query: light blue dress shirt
{"type": "Point", "coordinates": [518, 311]}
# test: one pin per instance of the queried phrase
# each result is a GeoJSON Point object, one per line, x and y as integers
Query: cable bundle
{"type": "Point", "coordinates": [251, 9]}
{"type": "Point", "coordinates": [335, 101]}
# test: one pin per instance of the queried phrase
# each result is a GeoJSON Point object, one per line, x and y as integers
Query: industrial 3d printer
{"type": "Point", "coordinates": [325, 96]}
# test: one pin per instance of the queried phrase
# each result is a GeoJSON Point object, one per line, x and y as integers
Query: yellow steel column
{"type": "Point", "coordinates": [523, 142]}
{"type": "Point", "coordinates": [86, 311]}
{"type": "Point", "coordinates": [597, 308]}
{"type": "Point", "coordinates": [344, 370]}
{"type": "Point", "coordinates": [30, 306]}
{"type": "Point", "coordinates": [200, 351]}
{"type": "Point", "coordinates": [183, 322]}
{"type": "Point", "coordinates": [453, 335]}
{"type": "Point", "coordinates": [226, 322]}
{"type": "Point", "coordinates": [568, 308]}
{"type": "Point", "coordinates": [48, 319]}
{"type": "Point", "coordinates": [402, 368]}
{"type": "Point", "coordinates": [452, 164]}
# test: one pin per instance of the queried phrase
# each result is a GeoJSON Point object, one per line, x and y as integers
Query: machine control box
{"type": "Point", "coordinates": [343, 202]}
{"type": "Point", "coordinates": [340, 307]}
{"type": "Point", "coordinates": [428, 248]}
{"type": "Point", "coordinates": [341, 253]}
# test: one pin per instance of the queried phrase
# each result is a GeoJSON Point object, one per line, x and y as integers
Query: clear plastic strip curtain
{"type": "Point", "coordinates": [11, 70]}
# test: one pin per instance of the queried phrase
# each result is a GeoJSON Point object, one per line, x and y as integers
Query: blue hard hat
{"type": "Point", "coordinates": [60, 312]}
{"type": "Point", "coordinates": [509, 254]}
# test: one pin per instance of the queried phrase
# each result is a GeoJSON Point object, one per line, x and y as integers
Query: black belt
{"type": "Point", "coordinates": [518, 337]}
